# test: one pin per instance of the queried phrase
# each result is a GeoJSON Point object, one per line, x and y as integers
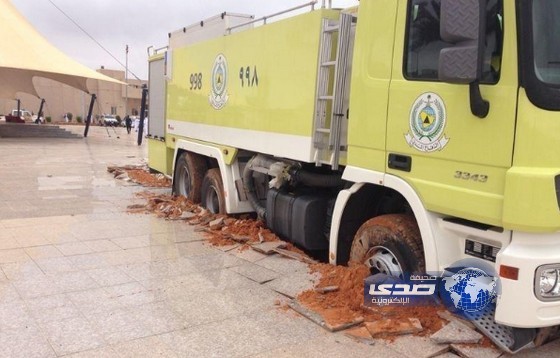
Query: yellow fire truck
{"type": "Point", "coordinates": [404, 134]}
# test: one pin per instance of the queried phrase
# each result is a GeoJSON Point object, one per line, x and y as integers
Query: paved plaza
{"type": "Point", "coordinates": [80, 277]}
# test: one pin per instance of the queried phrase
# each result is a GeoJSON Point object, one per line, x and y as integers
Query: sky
{"type": "Point", "coordinates": [136, 23]}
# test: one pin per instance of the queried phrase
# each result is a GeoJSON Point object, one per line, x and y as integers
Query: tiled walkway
{"type": "Point", "coordinates": [78, 275]}
{"type": "Point", "coordinates": [81, 277]}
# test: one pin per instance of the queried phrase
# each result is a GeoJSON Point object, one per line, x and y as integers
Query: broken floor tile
{"type": "Point", "coordinates": [360, 334]}
{"type": "Point", "coordinates": [227, 248]}
{"type": "Point", "coordinates": [389, 327]}
{"type": "Point", "coordinates": [293, 284]}
{"type": "Point", "coordinates": [295, 256]}
{"type": "Point", "coordinates": [268, 248]}
{"type": "Point", "coordinates": [318, 319]}
{"type": "Point", "coordinates": [456, 332]}
{"type": "Point", "coordinates": [469, 351]}
{"type": "Point", "coordinates": [216, 224]}
{"type": "Point", "coordinates": [255, 273]}
{"type": "Point", "coordinates": [448, 316]}
{"type": "Point", "coordinates": [417, 347]}
{"type": "Point", "coordinates": [447, 355]}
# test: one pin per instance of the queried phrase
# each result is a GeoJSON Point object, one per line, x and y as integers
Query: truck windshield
{"type": "Point", "coordinates": [546, 40]}
{"type": "Point", "coordinates": [539, 52]}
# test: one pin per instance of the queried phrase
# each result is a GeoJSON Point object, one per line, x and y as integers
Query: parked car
{"type": "Point", "coordinates": [109, 120]}
{"type": "Point", "coordinates": [24, 115]}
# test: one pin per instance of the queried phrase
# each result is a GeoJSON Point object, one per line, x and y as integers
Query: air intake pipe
{"type": "Point", "coordinates": [315, 180]}
{"type": "Point", "coordinates": [257, 162]}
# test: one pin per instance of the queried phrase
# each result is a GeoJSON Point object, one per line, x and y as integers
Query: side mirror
{"type": "Point", "coordinates": [463, 24]}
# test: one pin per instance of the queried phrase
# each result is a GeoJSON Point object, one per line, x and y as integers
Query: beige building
{"type": "Point", "coordinates": [61, 99]}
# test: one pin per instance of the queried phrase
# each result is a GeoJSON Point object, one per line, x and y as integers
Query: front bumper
{"type": "Point", "coordinates": [517, 304]}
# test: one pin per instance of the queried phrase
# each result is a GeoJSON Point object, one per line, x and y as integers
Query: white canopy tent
{"type": "Point", "coordinates": [25, 54]}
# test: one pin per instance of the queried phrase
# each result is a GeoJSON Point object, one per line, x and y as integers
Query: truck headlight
{"type": "Point", "coordinates": [547, 285]}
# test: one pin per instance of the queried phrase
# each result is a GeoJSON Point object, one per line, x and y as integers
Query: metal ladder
{"type": "Point", "coordinates": [330, 94]}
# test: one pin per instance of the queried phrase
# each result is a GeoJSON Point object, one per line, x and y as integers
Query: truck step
{"type": "Point", "coordinates": [509, 339]}
{"type": "Point", "coordinates": [323, 130]}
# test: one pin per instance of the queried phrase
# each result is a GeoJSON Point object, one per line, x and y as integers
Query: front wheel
{"type": "Point", "coordinates": [189, 172]}
{"type": "Point", "coordinates": [389, 244]}
{"type": "Point", "coordinates": [212, 191]}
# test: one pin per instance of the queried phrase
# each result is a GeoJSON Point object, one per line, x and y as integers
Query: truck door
{"type": "Point", "coordinates": [455, 160]}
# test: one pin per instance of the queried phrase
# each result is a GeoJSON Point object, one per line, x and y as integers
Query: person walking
{"type": "Point", "coordinates": [128, 123]}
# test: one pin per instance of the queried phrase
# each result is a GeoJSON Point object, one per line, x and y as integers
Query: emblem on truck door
{"type": "Point", "coordinates": [218, 96]}
{"type": "Point", "coordinates": [427, 123]}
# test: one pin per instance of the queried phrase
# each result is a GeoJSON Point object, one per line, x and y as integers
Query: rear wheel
{"type": "Point", "coordinates": [213, 197]}
{"type": "Point", "coordinates": [189, 173]}
{"type": "Point", "coordinates": [389, 244]}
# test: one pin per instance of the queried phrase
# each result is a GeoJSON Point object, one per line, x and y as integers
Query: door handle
{"type": "Point", "coordinates": [400, 162]}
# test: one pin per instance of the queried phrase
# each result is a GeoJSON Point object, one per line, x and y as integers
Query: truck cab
{"type": "Point", "coordinates": [471, 121]}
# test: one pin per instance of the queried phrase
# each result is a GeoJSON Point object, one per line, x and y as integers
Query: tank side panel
{"type": "Point", "coordinates": [262, 81]}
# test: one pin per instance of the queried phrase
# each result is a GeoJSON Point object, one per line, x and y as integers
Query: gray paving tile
{"type": "Point", "coordinates": [119, 326]}
{"type": "Point", "coordinates": [13, 255]}
{"type": "Point", "coordinates": [103, 352]}
{"type": "Point", "coordinates": [109, 276]}
{"type": "Point", "coordinates": [254, 272]}
{"type": "Point", "coordinates": [74, 248]}
{"type": "Point", "coordinates": [265, 331]}
{"type": "Point", "coordinates": [43, 252]}
{"type": "Point", "coordinates": [142, 271]}
{"type": "Point", "coordinates": [88, 261]}
{"type": "Point", "coordinates": [163, 252]}
{"type": "Point", "coordinates": [72, 335]}
{"type": "Point", "coordinates": [144, 347]}
{"type": "Point", "coordinates": [73, 281]}
{"type": "Point", "coordinates": [94, 301]}
{"type": "Point", "coordinates": [159, 317]}
{"type": "Point", "coordinates": [248, 255]}
{"type": "Point", "coordinates": [417, 347]}
{"type": "Point", "coordinates": [292, 284]}
{"type": "Point", "coordinates": [196, 248]}
{"type": "Point", "coordinates": [25, 343]}
{"type": "Point", "coordinates": [22, 270]}
{"type": "Point", "coordinates": [101, 245]}
{"type": "Point", "coordinates": [55, 265]}
{"type": "Point", "coordinates": [37, 287]}
{"type": "Point", "coordinates": [282, 264]}
{"type": "Point", "coordinates": [132, 242]}
{"type": "Point", "coordinates": [30, 241]}
{"type": "Point", "coordinates": [8, 242]}
{"type": "Point", "coordinates": [52, 308]}
{"type": "Point", "coordinates": [14, 315]}
{"type": "Point", "coordinates": [132, 294]}
{"type": "Point", "coordinates": [8, 292]}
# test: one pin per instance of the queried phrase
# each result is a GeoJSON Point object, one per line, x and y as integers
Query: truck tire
{"type": "Point", "coordinates": [189, 172]}
{"type": "Point", "coordinates": [389, 244]}
{"type": "Point", "coordinates": [213, 197]}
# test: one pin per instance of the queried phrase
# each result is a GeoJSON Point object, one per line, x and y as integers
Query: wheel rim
{"type": "Point", "coordinates": [382, 260]}
{"type": "Point", "coordinates": [212, 200]}
{"type": "Point", "coordinates": [184, 181]}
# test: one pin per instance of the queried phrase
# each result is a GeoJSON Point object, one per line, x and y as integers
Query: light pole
{"type": "Point", "coordinates": [126, 85]}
